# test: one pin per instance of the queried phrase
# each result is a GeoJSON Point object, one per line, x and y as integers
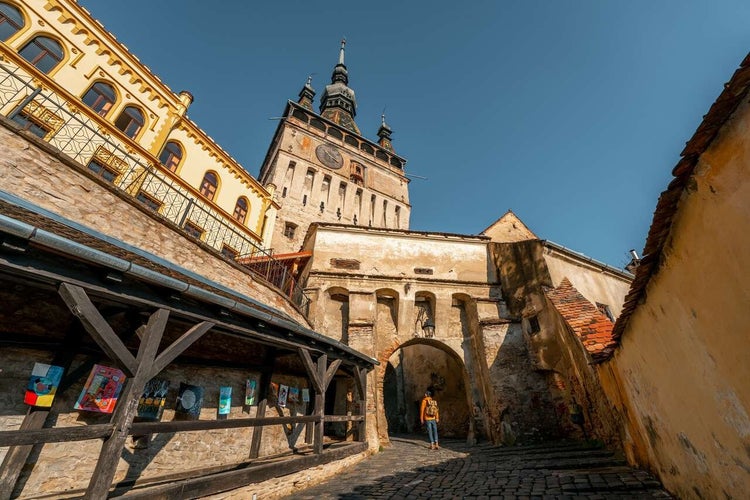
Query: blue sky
{"type": "Point", "coordinates": [570, 113]}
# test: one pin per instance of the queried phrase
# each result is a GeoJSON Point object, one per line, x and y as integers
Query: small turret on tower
{"type": "Point", "coordinates": [384, 133]}
{"type": "Point", "coordinates": [307, 94]}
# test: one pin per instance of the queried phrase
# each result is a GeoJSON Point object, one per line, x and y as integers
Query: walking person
{"type": "Point", "coordinates": [430, 416]}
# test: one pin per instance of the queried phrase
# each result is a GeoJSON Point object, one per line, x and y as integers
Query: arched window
{"type": "Point", "coordinates": [43, 52]}
{"type": "Point", "coordinates": [240, 209]}
{"type": "Point", "coordinates": [209, 185]}
{"type": "Point", "coordinates": [100, 97]}
{"type": "Point", "coordinates": [171, 156]}
{"type": "Point", "coordinates": [130, 121]}
{"type": "Point", "coordinates": [11, 20]}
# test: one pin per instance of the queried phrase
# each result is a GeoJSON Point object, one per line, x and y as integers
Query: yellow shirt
{"type": "Point", "coordinates": [423, 409]}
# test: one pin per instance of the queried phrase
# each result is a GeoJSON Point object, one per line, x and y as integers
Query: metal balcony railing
{"type": "Point", "coordinates": [89, 142]}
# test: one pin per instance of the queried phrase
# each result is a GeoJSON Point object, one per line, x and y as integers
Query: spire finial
{"type": "Point", "coordinates": [309, 81]}
{"type": "Point", "coordinates": [341, 52]}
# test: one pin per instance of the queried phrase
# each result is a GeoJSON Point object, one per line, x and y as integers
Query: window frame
{"type": "Point", "coordinates": [5, 19]}
{"type": "Point", "coordinates": [205, 187]}
{"type": "Point", "coordinates": [39, 58]}
{"type": "Point", "coordinates": [169, 162]}
{"type": "Point", "coordinates": [132, 120]}
{"type": "Point", "coordinates": [100, 97]}
{"type": "Point", "coordinates": [31, 124]}
{"type": "Point", "coordinates": [241, 214]}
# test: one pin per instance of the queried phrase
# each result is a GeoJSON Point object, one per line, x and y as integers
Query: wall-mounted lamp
{"type": "Point", "coordinates": [428, 327]}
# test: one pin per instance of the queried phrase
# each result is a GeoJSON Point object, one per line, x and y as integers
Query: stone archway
{"type": "Point", "coordinates": [413, 367]}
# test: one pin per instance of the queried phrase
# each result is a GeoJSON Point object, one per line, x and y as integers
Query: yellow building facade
{"type": "Point", "coordinates": [67, 80]}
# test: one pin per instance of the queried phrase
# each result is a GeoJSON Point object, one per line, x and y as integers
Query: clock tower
{"type": "Point", "coordinates": [324, 170]}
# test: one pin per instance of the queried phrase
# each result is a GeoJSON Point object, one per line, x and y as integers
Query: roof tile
{"type": "Point", "coordinates": [589, 324]}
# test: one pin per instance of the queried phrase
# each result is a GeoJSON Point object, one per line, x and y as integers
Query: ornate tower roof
{"type": "Point", "coordinates": [307, 94]}
{"type": "Point", "coordinates": [338, 103]}
{"type": "Point", "coordinates": [384, 133]}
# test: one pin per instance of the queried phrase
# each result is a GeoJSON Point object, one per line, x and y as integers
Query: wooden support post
{"type": "Point", "coordinates": [360, 380]}
{"type": "Point", "coordinates": [320, 399]}
{"type": "Point", "coordinates": [127, 407]}
{"type": "Point", "coordinates": [16, 457]}
{"type": "Point", "coordinates": [140, 370]}
{"type": "Point", "coordinates": [258, 431]}
{"type": "Point", "coordinates": [263, 383]}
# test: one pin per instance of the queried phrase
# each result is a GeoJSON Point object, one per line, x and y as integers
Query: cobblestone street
{"type": "Point", "coordinates": [409, 469]}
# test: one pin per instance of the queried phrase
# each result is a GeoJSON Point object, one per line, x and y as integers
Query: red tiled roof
{"type": "Point", "coordinates": [592, 327]}
{"type": "Point", "coordinates": [734, 92]}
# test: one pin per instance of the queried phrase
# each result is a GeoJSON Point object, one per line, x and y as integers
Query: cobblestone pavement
{"type": "Point", "coordinates": [409, 469]}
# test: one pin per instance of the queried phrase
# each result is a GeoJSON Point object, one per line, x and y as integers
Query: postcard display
{"type": "Point", "coordinates": [43, 384]}
{"type": "Point", "coordinates": [152, 401]}
{"type": "Point", "coordinates": [104, 384]}
{"type": "Point", "coordinates": [101, 390]}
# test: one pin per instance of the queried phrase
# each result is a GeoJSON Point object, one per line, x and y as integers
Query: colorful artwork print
{"type": "Point", "coordinates": [189, 401]}
{"type": "Point", "coordinates": [225, 400]}
{"type": "Point", "coordinates": [305, 395]}
{"type": "Point", "coordinates": [294, 395]}
{"type": "Point", "coordinates": [251, 391]}
{"type": "Point", "coordinates": [101, 390]}
{"type": "Point", "coordinates": [151, 404]}
{"type": "Point", "coordinates": [283, 393]}
{"type": "Point", "coordinates": [43, 384]}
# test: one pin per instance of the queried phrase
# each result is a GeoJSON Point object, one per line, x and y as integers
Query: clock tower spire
{"type": "Point", "coordinates": [338, 103]}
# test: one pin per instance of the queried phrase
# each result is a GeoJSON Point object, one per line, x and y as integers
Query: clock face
{"type": "Point", "coordinates": [329, 156]}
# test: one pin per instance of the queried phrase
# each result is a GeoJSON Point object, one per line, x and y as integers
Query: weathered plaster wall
{"type": "Point", "coordinates": [66, 466]}
{"type": "Point", "coordinates": [381, 275]}
{"type": "Point", "coordinates": [33, 172]}
{"type": "Point", "coordinates": [572, 380]}
{"type": "Point", "coordinates": [594, 282]}
{"type": "Point", "coordinates": [682, 365]}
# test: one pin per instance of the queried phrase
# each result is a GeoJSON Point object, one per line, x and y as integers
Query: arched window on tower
{"type": "Point", "coordinates": [209, 185]}
{"type": "Point", "coordinates": [43, 52]}
{"type": "Point", "coordinates": [130, 121]}
{"type": "Point", "coordinates": [11, 21]}
{"type": "Point", "coordinates": [171, 156]}
{"type": "Point", "coordinates": [100, 97]}
{"type": "Point", "coordinates": [240, 209]}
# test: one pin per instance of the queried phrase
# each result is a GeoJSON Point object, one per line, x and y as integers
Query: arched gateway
{"type": "Point", "coordinates": [412, 367]}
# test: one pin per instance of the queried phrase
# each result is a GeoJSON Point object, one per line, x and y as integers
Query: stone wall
{"type": "Point", "coordinates": [34, 171]}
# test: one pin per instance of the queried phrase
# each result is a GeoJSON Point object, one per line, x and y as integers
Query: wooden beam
{"type": "Point", "coordinates": [360, 381]}
{"type": "Point", "coordinates": [139, 428]}
{"type": "Point", "coordinates": [81, 306]}
{"type": "Point", "coordinates": [179, 346]}
{"type": "Point", "coordinates": [312, 370]}
{"type": "Point", "coordinates": [23, 437]}
{"type": "Point", "coordinates": [330, 372]}
{"type": "Point", "coordinates": [127, 407]}
{"type": "Point", "coordinates": [343, 418]}
{"type": "Point", "coordinates": [17, 455]}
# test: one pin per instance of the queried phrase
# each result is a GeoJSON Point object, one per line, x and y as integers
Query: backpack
{"type": "Point", "coordinates": [432, 408]}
